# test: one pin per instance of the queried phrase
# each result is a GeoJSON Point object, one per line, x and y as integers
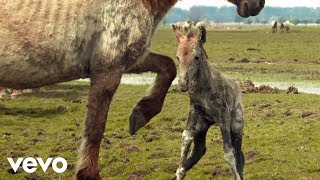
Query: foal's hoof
{"type": "Point", "coordinates": [137, 121]}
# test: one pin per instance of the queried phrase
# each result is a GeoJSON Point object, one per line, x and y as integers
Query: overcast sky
{"type": "Point", "coordinates": [186, 4]}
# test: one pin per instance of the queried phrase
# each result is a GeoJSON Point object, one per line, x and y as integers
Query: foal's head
{"type": "Point", "coordinates": [189, 54]}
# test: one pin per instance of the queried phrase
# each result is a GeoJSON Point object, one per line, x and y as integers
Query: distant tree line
{"type": "Point", "coordinates": [297, 15]}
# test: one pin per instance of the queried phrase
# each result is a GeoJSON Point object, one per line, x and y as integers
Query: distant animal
{"type": "Point", "coordinates": [274, 25]}
{"type": "Point", "coordinates": [190, 26]}
{"type": "Point", "coordinates": [201, 24]}
{"type": "Point", "coordinates": [214, 100]}
{"type": "Point", "coordinates": [186, 26]}
{"type": "Point", "coordinates": [285, 26]}
{"type": "Point", "coordinates": [44, 42]}
{"type": "Point", "coordinates": [14, 93]}
{"type": "Point", "coordinates": [180, 25]}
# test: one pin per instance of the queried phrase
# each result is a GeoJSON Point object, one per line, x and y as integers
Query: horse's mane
{"type": "Point", "coordinates": [203, 38]}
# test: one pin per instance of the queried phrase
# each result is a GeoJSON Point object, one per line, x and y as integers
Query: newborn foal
{"type": "Point", "coordinates": [214, 99]}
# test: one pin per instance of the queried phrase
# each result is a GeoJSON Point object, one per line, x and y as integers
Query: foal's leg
{"type": "Point", "coordinates": [229, 151]}
{"type": "Point", "coordinates": [236, 137]}
{"type": "Point", "coordinates": [199, 142]}
{"type": "Point", "coordinates": [196, 131]}
{"type": "Point", "coordinates": [103, 87]}
{"type": "Point", "coordinates": [151, 105]}
{"type": "Point", "coordinates": [187, 138]}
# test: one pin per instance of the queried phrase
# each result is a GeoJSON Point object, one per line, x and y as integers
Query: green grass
{"type": "Point", "coordinates": [281, 134]}
{"type": "Point", "coordinates": [278, 142]}
{"type": "Point", "coordinates": [273, 57]}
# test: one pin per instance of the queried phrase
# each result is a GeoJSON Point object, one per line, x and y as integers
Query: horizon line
{"type": "Point", "coordinates": [234, 6]}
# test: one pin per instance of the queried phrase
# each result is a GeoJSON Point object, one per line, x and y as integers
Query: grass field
{"type": "Point", "coordinates": [281, 134]}
{"type": "Point", "coordinates": [270, 57]}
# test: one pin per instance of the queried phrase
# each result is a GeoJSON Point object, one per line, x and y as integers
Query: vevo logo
{"type": "Point", "coordinates": [30, 164]}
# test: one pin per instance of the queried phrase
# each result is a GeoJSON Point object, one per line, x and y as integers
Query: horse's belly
{"type": "Point", "coordinates": [39, 67]}
{"type": "Point", "coordinates": [40, 46]}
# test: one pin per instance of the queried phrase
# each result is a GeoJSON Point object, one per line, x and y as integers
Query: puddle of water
{"type": "Point", "coordinates": [137, 79]}
{"type": "Point", "coordinates": [148, 78]}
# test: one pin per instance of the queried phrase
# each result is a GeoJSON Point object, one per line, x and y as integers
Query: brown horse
{"type": "Point", "coordinates": [48, 41]}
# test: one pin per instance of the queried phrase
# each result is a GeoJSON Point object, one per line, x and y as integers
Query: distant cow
{"type": "Point", "coordinates": [274, 25]}
{"type": "Point", "coordinates": [285, 26]}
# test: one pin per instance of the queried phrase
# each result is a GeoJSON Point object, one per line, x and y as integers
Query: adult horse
{"type": "Point", "coordinates": [48, 41]}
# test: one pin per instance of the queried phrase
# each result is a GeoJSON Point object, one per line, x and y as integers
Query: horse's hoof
{"type": "Point", "coordinates": [81, 175]}
{"type": "Point", "coordinates": [136, 122]}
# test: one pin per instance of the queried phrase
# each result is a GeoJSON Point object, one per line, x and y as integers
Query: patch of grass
{"type": "Point", "coordinates": [281, 136]}
{"type": "Point", "coordinates": [269, 57]}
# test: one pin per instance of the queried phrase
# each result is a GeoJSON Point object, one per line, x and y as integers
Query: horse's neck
{"type": "Point", "coordinates": [203, 78]}
{"type": "Point", "coordinates": [159, 8]}
{"type": "Point", "coordinates": [206, 86]}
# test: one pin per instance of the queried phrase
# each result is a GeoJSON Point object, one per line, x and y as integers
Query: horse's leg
{"type": "Point", "coordinates": [199, 142]}
{"type": "Point", "coordinates": [188, 136]}
{"type": "Point", "coordinates": [229, 151]}
{"type": "Point", "coordinates": [151, 105]}
{"type": "Point", "coordinates": [236, 137]}
{"type": "Point", "coordinates": [103, 87]}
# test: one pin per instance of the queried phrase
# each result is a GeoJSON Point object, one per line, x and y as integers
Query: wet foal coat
{"type": "Point", "coordinates": [214, 100]}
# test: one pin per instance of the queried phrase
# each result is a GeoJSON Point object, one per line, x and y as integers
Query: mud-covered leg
{"type": "Point", "coordinates": [103, 87]}
{"type": "Point", "coordinates": [229, 152]}
{"type": "Point", "coordinates": [236, 136]}
{"type": "Point", "coordinates": [187, 138]}
{"type": "Point", "coordinates": [195, 131]}
{"type": "Point", "coordinates": [151, 105]}
{"type": "Point", "coordinates": [199, 142]}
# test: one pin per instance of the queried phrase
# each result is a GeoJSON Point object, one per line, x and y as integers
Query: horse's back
{"type": "Point", "coordinates": [44, 42]}
{"type": "Point", "coordinates": [41, 41]}
{"type": "Point", "coordinates": [228, 86]}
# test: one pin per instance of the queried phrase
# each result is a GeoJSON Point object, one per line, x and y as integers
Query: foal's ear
{"type": "Point", "coordinates": [177, 33]}
{"type": "Point", "coordinates": [202, 36]}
